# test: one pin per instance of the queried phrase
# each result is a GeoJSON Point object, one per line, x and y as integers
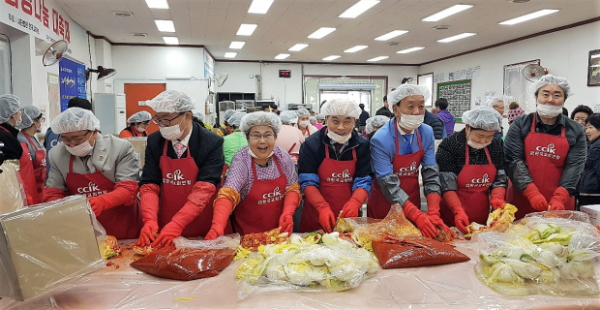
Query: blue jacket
{"type": "Point", "coordinates": [51, 139]}
{"type": "Point", "coordinates": [590, 178]}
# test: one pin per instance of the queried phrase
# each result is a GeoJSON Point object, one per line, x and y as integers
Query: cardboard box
{"type": "Point", "coordinates": [594, 212]}
{"type": "Point", "coordinates": [46, 245]}
{"type": "Point", "coordinates": [139, 146]}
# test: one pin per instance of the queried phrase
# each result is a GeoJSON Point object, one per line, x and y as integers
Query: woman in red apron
{"type": "Point", "coordinates": [138, 123]}
{"type": "Point", "coordinates": [471, 170]}
{"type": "Point", "coordinates": [545, 152]}
{"type": "Point", "coordinates": [31, 124]}
{"type": "Point", "coordinates": [101, 168]}
{"type": "Point", "coordinates": [334, 168]}
{"type": "Point", "coordinates": [262, 185]}
{"type": "Point", "coordinates": [182, 170]}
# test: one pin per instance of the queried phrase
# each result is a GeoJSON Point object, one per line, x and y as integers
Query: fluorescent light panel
{"type": "Point", "coordinates": [391, 35]}
{"type": "Point", "coordinates": [236, 45]}
{"type": "Point", "coordinates": [298, 47]}
{"type": "Point", "coordinates": [246, 29]}
{"type": "Point", "coordinates": [378, 58]}
{"type": "Point", "coordinates": [447, 12]}
{"type": "Point", "coordinates": [359, 8]}
{"type": "Point", "coordinates": [282, 56]}
{"type": "Point", "coordinates": [230, 55]}
{"type": "Point", "coordinates": [332, 57]}
{"type": "Point", "coordinates": [527, 17]}
{"type": "Point", "coordinates": [260, 6]}
{"type": "Point", "coordinates": [356, 48]}
{"type": "Point", "coordinates": [457, 37]}
{"type": "Point", "coordinates": [321, 32]}
{"type": "Point", "coordinates": [157, 4]}
{"type": "Point", "coordinates": [412, 49]}
{"type": "Point", "coordinates": [165, 25]}
{"type": "Point", "coordinates": [171, 40]}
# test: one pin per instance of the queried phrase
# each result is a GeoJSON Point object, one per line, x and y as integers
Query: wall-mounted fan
{"type": "Point", "coordinates": [103, 73]}
{"type": "Point", "coordinates": [51, 52]}
{"type": "Point", "coordinates": [534, 72]}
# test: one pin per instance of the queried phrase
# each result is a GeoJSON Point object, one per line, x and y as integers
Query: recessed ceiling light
{"type": "Point", "coordinates": [246, 29]}
{"type": "Point", "coordinates": [230, 55]}
{"type": "Point", "coordinates": [412, 49]}
{"type": "Point", "coordinates": [282, 56]}
{"type": "Point", "coordinates": [321, 32]}
{"type": "Point", "coordinates": [356, 48]}
{"type": "Point", "coordinates": [260, 6]}
{"type": "Point", "coordinates": [378, 58]}
{"type": "Point", "coordinates": [447, 12]}
{"type": "Point", "coordinates": [359, 8]}
{"type": "Point", "coordinates": [157, 4]}
{"type": "Point", "coordinates": [457, 37]}
{"type": "Point", "coordinates": [527, 17]}
{"type": "Point", "coordinates": [332, 57]}
{"type": "Point", "coordinates": [123, 13]}
{"type": "Point", "coordinates": [165, 25]}
{"type": "Point", "coordinates": [236, 45]}
{"type": "Point", "coordinates": [171, 40]}
{"type": "Point", "coordinates": [298, 47]}
{"type": "Point", "coordinates": [391, 35]}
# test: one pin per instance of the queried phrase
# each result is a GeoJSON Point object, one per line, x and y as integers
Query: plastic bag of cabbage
{"type": "Point", "coordinates": [552, 256]}
{"type": "Point", "coordinates": [333, 263]}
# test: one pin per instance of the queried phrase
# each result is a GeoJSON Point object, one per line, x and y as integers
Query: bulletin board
{"type": "Point", "coordinates": [458, 94]}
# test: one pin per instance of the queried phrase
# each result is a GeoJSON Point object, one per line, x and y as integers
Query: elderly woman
{"type": "Point", "coordinates": [514, 111]}
{"type": "Point", "coordinates": [290, 137]}
{"type": "Point", "coordinates": [545, 152]}
{"type": "Point", "coordinates": [320, 121]}
{"type": "Point", "coordinates": [138, 123]}
{"type": "Point", "coordinates": [236, 140]}
{"type": "Point", "coordinates": [472, 170]}
{"type": "Point", "coordinates": [589, 186]}
{"type": "Point", "coordinates": [374, 123]}
{"type": "Point", "coordinates": [31, 124]}
{"type": "Point", "coordinates": [581, 113]}
{"type": "Point", "coordinates": [103, 168]}
{"type": "Point", "coordinates": [304, 123]}
{"type": "Point", "coordinates": [262, 185]}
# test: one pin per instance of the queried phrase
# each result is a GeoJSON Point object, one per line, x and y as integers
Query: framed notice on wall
{"type": "Point", "coordinates": [458, 94]}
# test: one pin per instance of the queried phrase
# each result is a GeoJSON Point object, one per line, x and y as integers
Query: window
{"type": "Point", "coordinates": [5, 69]}
{"type": "Point", "coordinates": [427, 80]}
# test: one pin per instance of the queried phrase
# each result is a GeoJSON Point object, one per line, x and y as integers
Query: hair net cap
{"type": "Point", "coordinates": [141, 116]}
{"type": "Point", "coordinates": [171, 101]}
{"type": "Point", "coordinates": [407, 90]}
{"type": "Point", "coordinates": [550, 79]}
{"type": "Point", "coordinates": [320, 116]}
{"type": "Point", "coordinates": [485, 118]}
{"type": "Point", "coordinates": [29, 114]}
{"type": "Point", "coordinates": [341, 107]}
{"type": "Point", "coordinates": [228, 114]}
{"type": "Point", "coordinates": [375, 121]}
{"type": "Point", "coordinates": [302, 111]}
{"type": "Point", "coordinates": [312, 119]}
{"type": "Point", "coordinates": [260, 119]}
{"type": "Point", "coordinates": [236, 119]}
{"type": "Point", "coordinates": [9, 106]}
{"type": "Point", "coordinates": [289, 117]}
{"type": "Point", "coordinates": [199, 116]}
{"type": "Point", "coordinates": [75, 119]}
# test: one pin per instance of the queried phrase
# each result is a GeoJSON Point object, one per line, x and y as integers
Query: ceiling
{"type": "Point", "coordinates": [214, 23]}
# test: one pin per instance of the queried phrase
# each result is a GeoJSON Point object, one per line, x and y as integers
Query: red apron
{"type": "Point", "coordinates": [123, 222]}
{"type": "Point", "coordinates": [261, 209]}
{"type": "Point", "coordinates": [39, 166]}
{"type": "Point", "coordinates": [545, 156]}
{"type": "Point", "coordinates": [474, 182]}
{"type": "Point", "coordinates": [178, 179]}
{"type": "Point", "coordinates": [336, 188]}
{"type": "Point", "coordinates": [407, 168]}
{"type": "Point", "coordinates": [26, 173]}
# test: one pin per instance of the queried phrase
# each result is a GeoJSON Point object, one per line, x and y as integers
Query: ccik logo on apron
{"type": "Point", "coordinates": [545, 151]}
{"type": "Point", "coordinates": [176, 178]}
{"type": "Point", "coordinates": [271, 197]}
{"type": "Point", "coordinates": [406, 171]}
{"type": "Point", "coordinates": [484, 181]}
{"type": "Point", "coordinates": [342, 177]}
{"type": "Point", "coordinates": [91, 190]}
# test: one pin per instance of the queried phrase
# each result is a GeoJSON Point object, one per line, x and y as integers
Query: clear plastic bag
{"type": "Point", "coordinates": [12, 194]}
{"type": "Point", "coordinates": [548, 255]}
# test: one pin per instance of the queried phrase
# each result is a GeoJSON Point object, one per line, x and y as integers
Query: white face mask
{"type": "Point", "coordinates": [82, 149]}
{"type": "Point", "coordinates": [255, 156]}
{"type": "Point", "coordinates": [172, 132]}
{"type": "Point", "coordinates": [546, 110]}
{"type": "Point", "coordinates": [477, 145]}
{"type": "Point", "coordinates": [410, 122]}
{"type": "Point", "coordinates": [338, 138]}
{"type": "Point", "coordinates": [303, 123]}
{"type": "Point", "coordinates": [141, 129]}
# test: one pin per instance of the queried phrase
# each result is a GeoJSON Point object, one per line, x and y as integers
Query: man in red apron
{"type": "Point", "coordinates": [182, 169]}
{"type": "Point", "coordinates": [102, 168]}
{"type": "Point", "coordinates": [334, 168]}
{"type": "Point", "coordinates": [471, 168]}
{"type": "Point", "coordinates": [31, 123]}
{"type": "Point", "coordinates": [545, 152]}
{"type": "Point", "coordinates": [396, 165]}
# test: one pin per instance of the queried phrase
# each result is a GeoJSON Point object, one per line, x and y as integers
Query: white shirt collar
{"type": "Point", "coordinates": [186, 139]}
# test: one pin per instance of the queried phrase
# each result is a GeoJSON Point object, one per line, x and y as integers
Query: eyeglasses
{"type": "Point", "coordinates": [165, 122]}
{"type": "Point", "coordinates": [76, 140]}
{"type": "Point", "coordinates": [267, 137]}
{"type": "Point", "coordinates": [41, 120]}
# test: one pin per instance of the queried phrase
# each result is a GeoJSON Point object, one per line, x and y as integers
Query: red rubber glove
{"type": "Point", "coordinates": [286, 220]}
{"type": "Point", "coordinates": [461, 220]}
{"type": "Point", "coordinates": [149, 207]}
{"type": "Point", "coordinates": [201, 194]}
{"type": "Point", "coordinates": [559, 198]}
{"type": "Point", "coordinates": [421, 219]}
{"type": "Point", "coordinates": [326, 216]}
{"type": "Point", "coordinates": [221, 212]}
{"type": "Point", "coordinates": [497, 198]}
{"type": "Point", "coordinates": [123, 194]}
{"type": "Point", "coordinates": [351, 207]}
{"type": "Point", "coordinates": [536, 199]}
{"type": "Point", "coordinates": [51, 194]}
{"type": "Point", "coordinates": [433, 211]}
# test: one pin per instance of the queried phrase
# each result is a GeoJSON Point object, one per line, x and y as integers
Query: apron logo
{"type": "Point", "coordinates": [484, 181]}
{"type": "Point", "coordinates": [545, 151]}
{"type": "Point", "coordinates": [271, 197]}
{"type": "Point", "coordinates": [342, 177]}
{"type": "Point", "coordinates": [408, 171]}
{"type": "Point", "coordinates": [91, 190]}
{"type": "Point", "coordinates": [176, 178]}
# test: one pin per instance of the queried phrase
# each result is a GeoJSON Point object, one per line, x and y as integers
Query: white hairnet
{"type": "Point", "coordinates": [29, 114]}
{"type": "Point", "coordinates": [375, 121]}
{"type": "Point", "coordinates": [141, 116]}
{"type": "Point", "coordinates": [554, 80]}
{"type": "Point", "coordinates": [260, 119]}
{"type": "Point", "coordinates": [407, 90]}
{"type": "Point", "coordinates": [484, 118]}
{"type": "Point", "coordinates": [341, 107]}
{"type": "Point", "coordinates": [199, 116]}
{"type": "Point", "coordinates": [301, 112]}
{"type": "Point", "coordinates": [312, 119]}
{"type": "Point", "coordinates": [321, 116]}
{"type": "Point", "coordinates": [236, 119]}
{"type": "Point", "coordinates": [9, 106]}
{"type": "Point", "coordinates": [289, 117]}
{"type": "Point", "coordinates": [172, 101]}
{"type": "Point", "coordinates": [75, 119]}
{"type": "Point", "coordinates": [228, 114]}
